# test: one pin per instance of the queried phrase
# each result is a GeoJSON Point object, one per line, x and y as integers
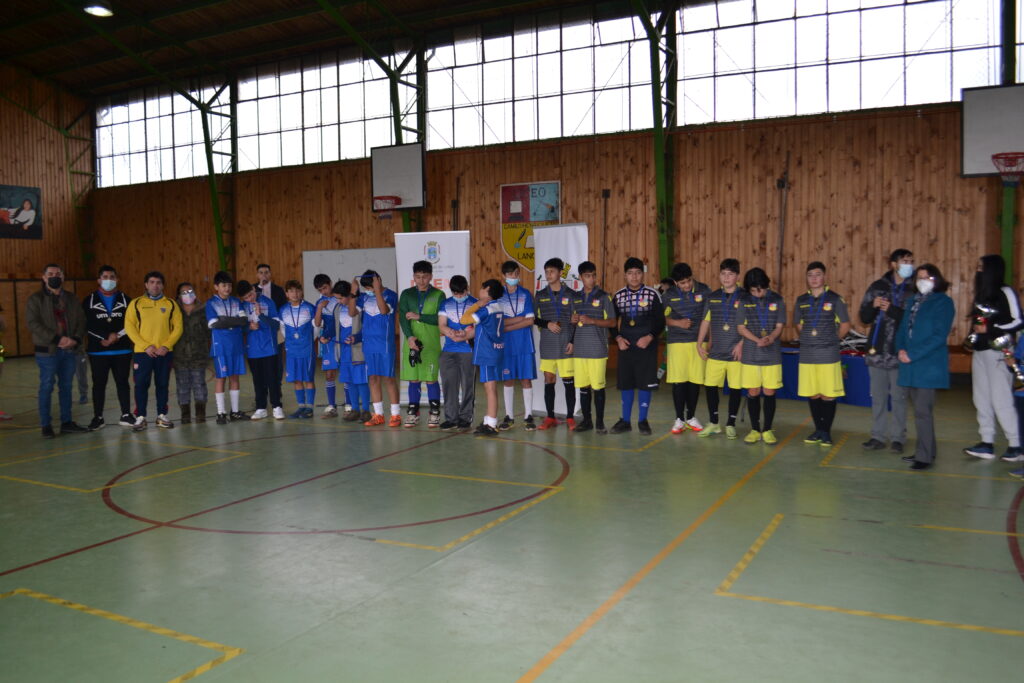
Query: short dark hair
{"type": "Point", "coordinates": [681, 271]}
{"type": "Point", "coordinates": [243, 288]}
{"type": "Point", "coordinates": [458, 283]}
{"type": "Point", "coordinates": [223, 277]}
{"type": "Point", "coordinates": [366, 279]}
{"type": "Point", "coordinates": [151, 274]}
{"type": "Point", "coordinates": [730, 264]}
{"type": "Point", "coordinates": [935, 274]}
{"type": "Point", "coordinates": [509, 267]}
{"type": "Point", "coordinates": [293, 284]}
{"type": "Point", "coordinates": [319, 280]}
{"type": "Point", "coordinates": [105, 269]}
{"type": "Point", "coordinates": [52, 265]}
{"type": "Point", "coordinates": [423, 267]}
{"type": "Point", "coordinates": [668, 282]}
{"type": "Point", "coordinates": [263, 265]}
{"type": "Point", "coordinates": [177, 289]}
{"type": "Point", "coordinates": [756, 277]}
{"type": "Point", "coordinates": [495, 289]}
{"type": "Point", "coordinates": [633, 262]}
{"type": "Point", "coordinates": [586, 267]}
{"type": "Point", "coordinates": [342, 288]}
{"type": "Point", "coordinates": [554, 263]}
{"type": "Point", "coordinates": [816, 265]}
{"type": "Point", "coordinates": [898, 254]}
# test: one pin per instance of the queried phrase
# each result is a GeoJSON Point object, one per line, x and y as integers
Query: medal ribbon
{"type": "Point", "coordinates": [727, 305]}
{"type": "Point", "coordinates": [758, 308]}
{"type": "Point", "coordinates": [821, 304]}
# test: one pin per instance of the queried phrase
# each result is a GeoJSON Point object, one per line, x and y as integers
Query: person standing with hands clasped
{"type": "Point", "coordinates": [154, 325]}
{"type": "Point", "coordinates": [924, 357]}
{"type": "Point", "coordinates": [110, 349]}
{"type": "Point", "coordinates": [722, 316]}
{"type": "Point", "coordinates": [418, 308]}
{"type": "Point", "coordinates": [684, 309]}
{"type": "Point", "coordinates": [553, 307]}
{"type": "Point", "coordinates": [764, 316]}
{"type": "Point", "coordinates": [641, 319]}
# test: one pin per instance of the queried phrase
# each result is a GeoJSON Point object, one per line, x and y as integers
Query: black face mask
{"type": "Point", "coordinates": [54, 282]}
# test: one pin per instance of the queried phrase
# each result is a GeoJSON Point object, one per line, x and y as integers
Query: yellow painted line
{"type": "Point", "coordinates": [551, 657]}
{"type": "Point", "coordinates": [408, 545]}
{"type": "Point", "coordinates": [485, 481]}
{"type": "Point", "coordinates": [36, 457]}
{"type": "Point", "coordinates": [187, 447]}
{"type": "Point", "coordinates": [169, 472]}
{"type": "Point", "coordinates": [47, 484]}
{"type": "Point", "coordinates": [750, 554]}
{"type": "Point", "coordinates": [925, 473]}
{"type": "Point", "coordinates": [228, 652]}
{"type": "Point", "coordinates": [959, 530]}
{"type": "Point", "coordinates": [877, 615]}
{"type": "Point", "coordinates": [656, 441]}
{"type": "Point", "coordinates": [835, 449]}
{"type": "Point", "coordinates": [499, 520]}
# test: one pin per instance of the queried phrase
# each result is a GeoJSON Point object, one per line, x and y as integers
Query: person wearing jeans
{"type": "Point", "coordinates": [154, 325]}
{"type": "Point", "coordinates": [57, 323]}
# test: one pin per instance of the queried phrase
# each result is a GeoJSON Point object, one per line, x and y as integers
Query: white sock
{"type": "Point", "coordinates": [348, 407]}
{"type": "Point", "coordinates": [396, 409]}
{"type": "Point", "coordinates": [510, 401]}
{"type": "Point", "coordinates": [234, 399]}
{"type": "Point", "coordinates": [528, 400]}
{"type": "Point", "coordinates": [378, 408]}
{"type": "Point", "coordinates": [220, 403]}
{"type": "Point", "coordinates": [490, 421]}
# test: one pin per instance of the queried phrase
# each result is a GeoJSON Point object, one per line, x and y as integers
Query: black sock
{"type": "Point", "coordinates": [735, 396]}
{"type": "Point", "coordinates": [754, 408]}
{"type": "Point", "coordinates": [599, 405]}
{"type": "Point", "coordinates": [549, 399]}
{"type": "Point", "coordinates": [435, 405]}
{"type": "Point", "coordinates": [828, 415]}
{"type": "Point", "coordinates": [570, 397]}
{"type": "Point", "coordinates": [815, 413]}
{"type": "Point", "coordinates": [692, 395]}
{"type": "Point", "coordinates": [769, 411]}
{"type": "Point", "coordinates": [679, 400]}
{"type": "Point", "coordinates": [585, 402]}
{"type": "Point", "coordinates": [712, 398]}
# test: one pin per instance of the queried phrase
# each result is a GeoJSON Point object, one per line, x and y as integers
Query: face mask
{"type": "Point", "coordinates": [462, 298]}
{"type": "Point", "coordinates": [188, 298]}
{"type": "Point", "coordinates": [925, 286]}
{"type": "Point", "coordinates": [905, 270]}
{"type": "Point", "coordinates": [512, 281]}
{"type": "Point", "coordinates": [54, 282]}
{"type": "Point", "coordinates": [108, 285]}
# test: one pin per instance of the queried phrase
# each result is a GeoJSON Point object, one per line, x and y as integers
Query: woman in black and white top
{"type": "Point", "coordinates": [992, 385]}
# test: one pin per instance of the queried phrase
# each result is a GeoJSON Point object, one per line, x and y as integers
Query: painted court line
{"type": "Point", "coordinates": [827, 462]}
{"type": "Point", "coordinates": [552, 656]}
{"type": "Point", "coordinates": [929, 527]}
{"type": "Point", "coordinates": [227, 652]}
{"type": "Point", "coordinates": [485, 481]}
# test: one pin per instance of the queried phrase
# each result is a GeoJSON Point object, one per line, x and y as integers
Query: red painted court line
{"type": "Point", "coordinates": [1011, 528]}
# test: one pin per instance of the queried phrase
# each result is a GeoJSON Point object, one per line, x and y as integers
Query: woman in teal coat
{"type": "Point", "coordinates": [924, 356]}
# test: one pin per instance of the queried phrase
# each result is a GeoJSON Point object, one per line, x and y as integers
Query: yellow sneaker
{"type": "Point", "coordinates": [769, 437]}
{"type": "Point", "coordinates": [730, 432]}
{"type": "Point", "coordinates": [709, 430]}
{"type": "Point", "coordinates": [752, 437]}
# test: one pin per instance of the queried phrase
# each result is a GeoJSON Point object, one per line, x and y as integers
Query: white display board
{"type": "Point", "coordinates": [345, 264]}
{"type": "Point", "coordinates": [992, 121]}
{"type": "Point", "coordinates": [398, 171]}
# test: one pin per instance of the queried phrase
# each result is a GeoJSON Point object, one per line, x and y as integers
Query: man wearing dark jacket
{"type": "Point", "coordinates": [881, 310]}
{"type": "Point", "coordinates": [109, 348]}
{"type": "Point", "coordinates": [57, 324]}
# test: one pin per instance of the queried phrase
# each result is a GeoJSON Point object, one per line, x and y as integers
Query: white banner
{"type": "Point", "coordinates": [569, 242]}
{"type": "Point", "coordinates": [345, 264]}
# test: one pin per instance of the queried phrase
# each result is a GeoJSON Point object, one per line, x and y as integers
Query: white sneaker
{"type": "Point", "coordinates": [330, 411]}
{"type": "Point", "coordinates": [140, 423]}
{"type": "Point", "coordinates": [260, 414]}
{"type": "Point", "coordinates": [694, 424]}
{"type": "Point", "coordinates": [279, 413]}
{"type": "Point", "coordinates": [164, 422]}
{"type": "Point", "coordinates": [412, 419]}
{"type": "Point", "coordinates": [678, 427]}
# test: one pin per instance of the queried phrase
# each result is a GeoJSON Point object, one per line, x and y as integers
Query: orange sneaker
{"type": "Point", "coordinates": [570, 424]}
{"type": "Point", "coordinates": [375, 421]}
{"type": "Point", "coordinates": [396, 421]}
{"type": "Point", "coordinates": [548, 423]}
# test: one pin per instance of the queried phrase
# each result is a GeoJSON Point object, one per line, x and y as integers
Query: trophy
{"type": "Point", "coordinates": [1005, 344]}
{"type": "Point", "coordinates": [979, 316]}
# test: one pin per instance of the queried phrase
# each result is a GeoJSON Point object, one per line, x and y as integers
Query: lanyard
{"type": "Point", "coordinates": [421, 298]}
{"type": "Point", "coordinates": [556, 299]}
{"type": "Point", "coordinates": [634, 303]}
{"type": "Point", "coordinates": [727, 304]}
{"type": "Point", "coordinates": [759, 308]}
{"type": "Point", "coordinates": [296, 314]}
{"type": "Point", "coordinates": [227, 306]}
{"type": "Point", "coordinates": [511, 303]}
{"type": "Point", "coordinates": [821, 304]}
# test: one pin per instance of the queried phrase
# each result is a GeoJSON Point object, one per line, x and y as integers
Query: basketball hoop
{"type": "Point", "coordinates": [384, 205]}
{"type": "Point", "coordinates": [1010, 166]}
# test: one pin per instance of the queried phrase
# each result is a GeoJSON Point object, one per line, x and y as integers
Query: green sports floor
{"type": "Point", "coordinates": [315, 550]}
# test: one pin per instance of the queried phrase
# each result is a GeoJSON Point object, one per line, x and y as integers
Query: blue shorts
{"type": "Point", "coordinates": [229, 364]}
{"type": "Point", "coordinates": [352, 373]}
{"type": "Point", "coordinates": [518, 366]}
{"type": "Point", "coordinates": [489, 373]}
{"type": "Point", "coordinates": [380, 364]}
{"type": "Point", "coordinates": [298, 368]}
{"type": "Point", "coordinates": [328, 356]}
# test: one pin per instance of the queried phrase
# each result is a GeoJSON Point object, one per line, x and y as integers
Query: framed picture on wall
{"type": "Point", "coordinates": [21, 212]}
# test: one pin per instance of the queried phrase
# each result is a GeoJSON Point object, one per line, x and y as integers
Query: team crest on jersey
{"type": "Point", "coordinates": [699, 298]}
{"type": "Point", "coordinates": [773, 307]}
{"type": "Point", "coordinates": [595, 303]}
{"type": "Point", "coordinates": [163, 310]}
{"type": "Point", "coordinates": [565, 301]}
{"type": "Point", "coordinates": [827, 306]}
{"type": "Point", "coordinates": [644, 303]}
{"type": "Point", "coordinates": [736, 305]}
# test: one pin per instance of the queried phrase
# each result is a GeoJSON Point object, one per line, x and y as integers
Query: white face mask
{"type": "Point", "coordinates": [512, 281]}
{"type": "Point", "coordinates": [905, 270]}
{"type": "Point", "coordinates": [188, 299]}
{"type": "Point", "coordinates": [925, 286]}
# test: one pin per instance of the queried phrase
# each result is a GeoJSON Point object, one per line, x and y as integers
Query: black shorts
{"type": "Point", "coordinates": [638, 368]}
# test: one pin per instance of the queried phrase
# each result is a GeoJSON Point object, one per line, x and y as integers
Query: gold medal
{"type": "Point", "coordinates": [579, 324]}
{"type": "Point", "coordinates": [872, 351]}
{"type": "Point", "coordinates": [725, 327]}
{"type": "Point", "coordinates": [764, 334]}
{"type": "Point", "coordinates": [296, 335]}
{"type": "Point", "coordinates": [814, 333]}
{"type": "Point", "coordinates": [632, 323]}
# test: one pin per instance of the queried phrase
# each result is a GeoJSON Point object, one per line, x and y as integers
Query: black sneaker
{"type": "Point", "coordinates": [621, 426]}
{"type": "Point", "coordinates": [896, 447]}
{"type": "Point", "coordinates": [872, 444]}
{"type": "Point", "coordinates": [826, 440]}
{"type": "Point", "coordinates": [505, 424]}
{"type": "Point", "coordinates": [584, 425]}
{"type": "Point", "coordinates": [47, 432]}
{"type": "Point", "coordinates": [97, 423]}
{"type": "Point", "coordinates": [72, 428]}
{"type": "Point", "coordinates": [222, 418]}
{"type": "Point", "coordinates": [448, 426]}
{"type": "Point", "coordinates": [529, 425]}
{"type": "Point", "coordinates": [644, 427]}
{"type": "Point", "coordinates": [126, 420]}
{"type": "Point", "coordinates": [463, 426]}
{"type": "Point", "coordinates": [600, 429]}
{"type": "Point", "coordinates": [485, 430]}
{"type": "Point", "coordinates": [236, 416]}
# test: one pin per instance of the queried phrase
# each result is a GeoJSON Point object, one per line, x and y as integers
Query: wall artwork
{"type": "Point", "coordinates": [21, 213]}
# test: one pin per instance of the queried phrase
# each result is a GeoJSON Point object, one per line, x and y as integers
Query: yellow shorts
{"type": "Point", "coordinates": [591, 372]}
{"type": "Point", "coordinates": [821, 378]}
{"type": "Point", "coordinates": [561, 367]}
{"type": "Point", "coordinates": [717, 371]}
{"type": "Point", "coordinates": [758, 376]}
{"type": "Point", "coordinates": [684, 363]}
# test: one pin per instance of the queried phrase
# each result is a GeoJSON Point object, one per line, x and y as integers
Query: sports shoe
{"type": "Point", "coordinates": [506, 424]}
{"type": "Point", "coordinates": [826, 440]}
{"type": "Point", "coordinates": [279, 413]}
{"type": "Point", "coordinates": [600, 428]}
{"type": "Point", "coordinates": [463, 426]}
{"type": "Point", "coordinates": [411, 419]}
{"type": "Point", "coordinates": [366, 416]}
{"type": "Point", "coordinates": [694, 424]}
{"type": "Point", "coordinates": [644, 427]}
{"type": "Point", "coordinates": [83, 399]}
{"type": "Point", "coordinates": [352, 416]}
{"type": "Point", "coordinates": [981, 450]}
{"type": "Point", "coordinates": [621, 426]}
{"type": "Point", "coordinates": [713, 428]}
{"type": "Point", "coordinates": [872, 444]}
{"type": "Point", "coordinates": [679, 426]}
{"type": "Point", "coordinates": [329, 411]}
{"type": "Point", "coordinates": [126, 420]}
{"type": "Point", "coordinates": [222, 418]}
{"type": "Point", "coordinates": [529, 425]}
{"type": "Point", "coordinates": [297, 414]}
{"type": "Point", "coordinates": [896, 447]}
{"type": "Point", "coordinates": [485, 430]}
{"type": "Point", "coordinates": [1017, 473]}
{"type": "Point", "coordinates": [163, 422]}
{"type": "Point", "coordinates": [570, 424]}
{"type": "Point", "coordinates": [348, 411]}
{"type": "Point", "coordinates": [1012, 454]}
{"type": "Point", "coordinates": [433, 420]}
{"type": "Point", "coordinates": [375, 421]}
{"type": "Point", "coordinates": [730, 432]}
{"type": "Point", "coordinates": [237, 415]}
{"type": "Point", "coordinates": [396, 421]}
{"type": "Point", "coordinates": [548, 423]}
{"type": "Point", "coordinates": [5, 416]}
{"type": "Point", "coordinates": [813, 437]}
{"type": "Point", "coordinates": [140, 423]}
{"type": "Point", "coordinates": [97, 423]}
{"type": "Point", "coordinates": [259, 414]}
{"type": "Point", "coordinates": [72, 428]}
{"type": "Point", "coordinates": [584, 425]}
{"type": "Point", "coordinates": [448, 426]}
{"type": "Point", "coordinates": [47, 432]}
{"type": "Point", "coordinates": [753, 437]}
{"type": "Point", "coordinates": [768, 436]}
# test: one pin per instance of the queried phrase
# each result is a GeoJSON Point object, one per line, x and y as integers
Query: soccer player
{"type": "Point", "coordinates": [764, 316]}
{"type": "Point", "coordinates": [593, 315]}
{"type": "Point", "coordinates": [684, 309]}
{"type": "Point", "coordinates": [457, 373]}
{"type": "Point", "coordinates": [348, 336]}
{"type": "Point", "coordinates": [554, 308]}
{"type": "Point", "coordinates": [417, 315]}
{"type": "Point", "coordinates": [822, 320]}
{"type": "Point", "coordinates": [226, 318]}
{"type": "Point", "coordinates": [261, 349]}
{"type": "Point", "coordinates": [377, 305]}
{"type": "Point", "coordinates": [722, 316]}
{"type": "Point", "coordinates": [517, 361]}
{"type": "Point", "coordinates": [326, 307]}
{"type": "Point", "coordinates": [486, 318]}
{"type": "Point", "coordinates": [297, 318]}
{"type": "Point", "coordinates": [641, 320]}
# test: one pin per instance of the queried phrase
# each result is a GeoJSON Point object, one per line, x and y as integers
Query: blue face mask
{"type": "Point", "coordinates": [905, 270]}
{"type": "Point", "coordinates": [108, 285]}
{"type": "Point", "coordinates": [512, 281]}
{"type": "Point", "coordinates": [460, 299]}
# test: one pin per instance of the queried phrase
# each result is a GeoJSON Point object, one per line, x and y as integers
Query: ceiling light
{"type": "Point", "coordinates": [98, 8]}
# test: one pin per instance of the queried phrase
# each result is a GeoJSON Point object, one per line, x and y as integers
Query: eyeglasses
{"type": "Point", "coordinates": [187, 292]}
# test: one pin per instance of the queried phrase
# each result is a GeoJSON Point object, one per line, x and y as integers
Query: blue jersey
{"type": "Point", "coordinates": [298, 329]}
{"type": "Point", "coordinates": [452, 311]}
{"type": "Point", "coordinates": [227, 341]}
{"type": "Point", "coordinates": [339, 332]}
{"type": "Point", "coordinates": [513, 305]}
{"type": "Point", "coordinates": [489, 340]}
{"type": "Point", "coordinates": [262, 342]}
{"type": "Point", "coordinates": [378, 328]}
{"type": "Point", "coordinates": [327, 323]}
